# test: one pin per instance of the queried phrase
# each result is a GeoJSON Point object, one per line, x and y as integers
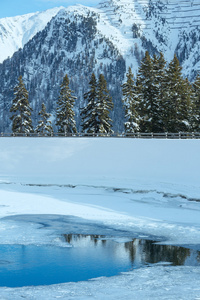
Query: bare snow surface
{"type": "Point", "coordinates": [127, 186]}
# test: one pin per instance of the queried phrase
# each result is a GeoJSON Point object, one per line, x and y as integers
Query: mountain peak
{"type": "Point", "coordinates": [15, 32]}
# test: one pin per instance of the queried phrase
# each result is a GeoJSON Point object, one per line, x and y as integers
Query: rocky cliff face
{"type": "Point", "coordinates": [80, 40]}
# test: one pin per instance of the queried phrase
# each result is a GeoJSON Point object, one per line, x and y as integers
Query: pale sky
{"type": "Point", "coordinates": [10, 8]}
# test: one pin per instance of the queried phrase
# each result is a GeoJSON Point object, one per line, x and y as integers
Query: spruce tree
{"type": "Point", "coordinates": [148, 88]}
{"type": "Point", "coordinates": [184, 110]}
{"type": "Point", "coordinates": [130, 100]}
{"type": "Point", "coordinates": [104, 106]}
{"type": "Point", "coordinates": [89, 114]}
{"type": "Point", "coordinates": [21, 110]}
{"type": "Point", "coordinates": [177, 102]}
{"type": "Point", "coordinates": [195, 119]}
{"type": "Point", "coordinates": [64, 113]}
{"type": "Point", "coordinates": [44, 125]}
{"type": "Point", "coordinates": [159, 66]}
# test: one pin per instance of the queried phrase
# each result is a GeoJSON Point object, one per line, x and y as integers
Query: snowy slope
{"type": "Point", "coordinates": [15, 32]}
{"type": "Point", "coordinates": [156, 26]}
{"type": "Point", "coordinates": [133, 26]}
{"type": "Point", "coordinates": [129, 186]}
{"type": "Point", "coordinates": [71, 43]}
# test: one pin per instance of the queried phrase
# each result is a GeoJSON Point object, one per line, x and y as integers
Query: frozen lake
{"type": "Point", "coordinates": [85, 257]}
{"type": "Point", "coordinates": [124, 189]}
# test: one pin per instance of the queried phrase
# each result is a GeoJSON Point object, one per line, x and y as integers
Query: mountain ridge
{"type": "Point", "coordinates": [130, 24]}
{"type": "Point", "coordinates": [16, 31]}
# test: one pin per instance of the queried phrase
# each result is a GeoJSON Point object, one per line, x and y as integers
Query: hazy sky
{"type": "Point", "coordinates": [10, 8]}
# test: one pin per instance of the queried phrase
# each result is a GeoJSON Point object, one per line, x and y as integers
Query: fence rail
{"type": "Point", "coordinates": [139, 135]}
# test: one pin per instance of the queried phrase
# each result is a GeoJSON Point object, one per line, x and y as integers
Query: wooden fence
{"type": "Point", "coordinates": [139, 135]}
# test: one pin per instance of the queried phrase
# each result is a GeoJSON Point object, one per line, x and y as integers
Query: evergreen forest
{"type": "Point", "coordinates": [159, 99]}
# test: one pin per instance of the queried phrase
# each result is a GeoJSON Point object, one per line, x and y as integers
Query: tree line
{"type": "Point", "coordinates": [95, 115]}
{"type": "Point", "coordinates": [159, 99]}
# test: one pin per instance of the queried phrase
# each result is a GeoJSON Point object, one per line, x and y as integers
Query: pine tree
{"type": "Point", "coordinates": [148, 88]}
{"type": "Point", "coordinates": [65, 114]}
{"type": "Point", "coordinates": [195, 119]}
{"type": "Point", "coordinates": [177, 102]}
{"type": "Point", "coordinates": [130, 100]}
{"type": "Point", "coordinates": [89, 113]}
{"type": "Point", "coordinates": [44, 125]}
{"type": "Point", "coordinates": [21, 110]}
{"type": "Point", "coordinates": [104, 106]}
{"type": "Point", "coordinates": [184, 110]}
{"type": "Point", "coordinates": [159, 66]}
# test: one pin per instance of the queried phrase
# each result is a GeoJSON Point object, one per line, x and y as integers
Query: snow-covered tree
{"type": "Point", "coordinates": [104, 106]}
{"type": "Point", "coordinates": [95, 116]}
{"type": "Point", "coordinates": [148, 88]}
{"type": "Point", "coordinates": [65, 114]}
{"type": "Point", "coordinates": [195, 119]}
{"type": "Point", "coordinates": [130, 100]}
{"type": "Point", "coordinates": [44, 126]}
{"type": "Point", "coordinates": [184, 110]}
{"type": "Point", "coordinates": [21, 110]}
{"type": "Point", "coordinates": [89, 114]}
{"type": "Point", "coordinates": [160, 93]}
{"type": "Point", "coordinates": [177, 102]}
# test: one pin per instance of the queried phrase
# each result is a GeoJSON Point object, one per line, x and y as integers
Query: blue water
{"type": "Point", "coordinates": [44, 265]}
{"type": "Point", "coordinates": [83, 258]}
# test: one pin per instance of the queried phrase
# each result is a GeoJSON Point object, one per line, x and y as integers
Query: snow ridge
{"type": "Point", "coordinates": [15, 32]}
{"type": "Point", "coordinates": [133, 26]}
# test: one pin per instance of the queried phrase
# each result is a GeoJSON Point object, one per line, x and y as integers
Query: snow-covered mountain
{"type": "Point", "coordinates": [15, 32]}
{"type": "Point", "coordinates": [70, 43]}
{"type": "Point", "coordinates": [79, 40]}
{"type": "Point", "coordinates": [157, 25]}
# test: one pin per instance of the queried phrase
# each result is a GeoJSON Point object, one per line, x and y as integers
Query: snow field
{"type": "Point", "coordinates": [162, 161]}
{"type": "Point", "coordinates": [130, 186]}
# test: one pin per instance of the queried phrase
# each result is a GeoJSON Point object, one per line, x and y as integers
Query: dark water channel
{"type": "Point", "coordinates": [83, 258]}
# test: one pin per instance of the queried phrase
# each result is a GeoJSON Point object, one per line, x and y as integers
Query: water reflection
{"type": "Point", "coordinates": [138, 251]}
{"type": "Point", "coordinates": [85, 257]}
{"type": "Point", "coordinates": [148, 252]}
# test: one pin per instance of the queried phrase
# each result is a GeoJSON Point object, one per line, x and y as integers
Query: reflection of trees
{"type": "Point", "coordinates": [68, 238]}
{"type": "Point", "coordinates": [144, 250]}
{"type": "Point", "coordinates": [131, 247]}
{"type": "Point", "coordinates": [103, 243]}
{"type": "Point", "coordinates": [73, 238]}
{"type": "Point", "coordinates": [154, 253]}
